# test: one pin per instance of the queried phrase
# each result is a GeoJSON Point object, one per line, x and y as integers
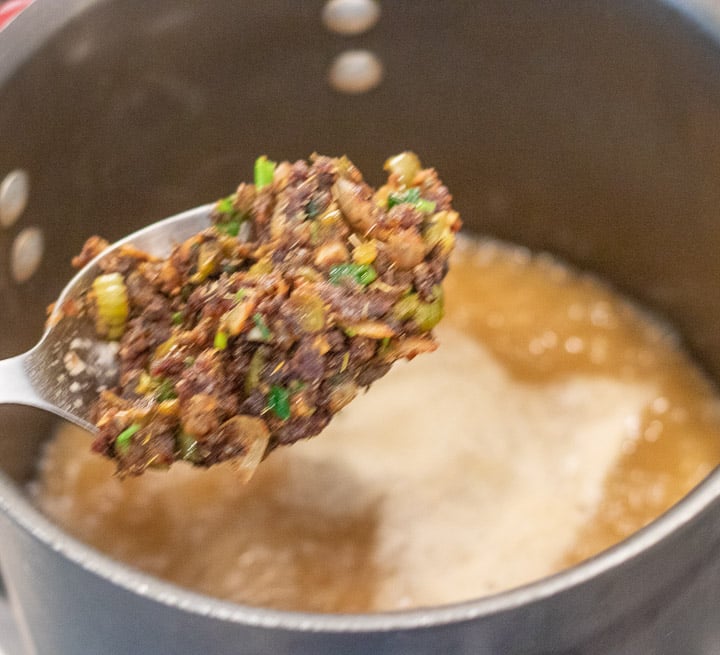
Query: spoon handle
{"type": "Point", "coordinates": [17, 388]}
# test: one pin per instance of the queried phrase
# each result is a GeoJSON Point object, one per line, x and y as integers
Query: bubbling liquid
{"type": "Point", "coordinates": [554, 421]}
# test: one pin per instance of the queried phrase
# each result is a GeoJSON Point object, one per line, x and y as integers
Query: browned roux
{"type": "Point", "coordinates": [554, 420]}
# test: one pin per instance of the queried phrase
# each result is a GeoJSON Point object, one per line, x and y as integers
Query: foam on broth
{"type": "Point", "coordinates": [553, 421]}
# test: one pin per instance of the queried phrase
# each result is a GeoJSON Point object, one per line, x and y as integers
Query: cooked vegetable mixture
{"type": "Point", "coordinates": [253, 333]}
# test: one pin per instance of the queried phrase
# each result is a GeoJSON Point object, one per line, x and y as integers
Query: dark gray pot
{"type": "Point", "coordinates": [589, 128]}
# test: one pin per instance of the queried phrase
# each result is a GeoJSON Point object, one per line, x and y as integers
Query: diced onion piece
{"type": "Point", "coordinates": [209, 257]}
{"type": "Point", "coordinates": [252, 378]}
{"type": "Point", "coordinates": [409, 348]}
{"type": "Point", "coordinates": [234, 320]}
{"type": "Point", "coordinates": [370, 329]}
{"type": "Point", "coordinates": [331, 253]}
{"type": "Point", "coordinates": [406, 166]}
{"type": "Point", "coordinates": [261, 267]}
{"type": "Point", "coordinates": [342, 395]}
{"type": "Point", "coordinates": [357, 209]}
{"type": "Point", "coordinates": [308, 309]}
{"type": "Point", "coordinates": [441, 230]}
{"type": "Point", "coordinates": [111, 303]}
{"type": "Point", "coordinates": [252, 434]}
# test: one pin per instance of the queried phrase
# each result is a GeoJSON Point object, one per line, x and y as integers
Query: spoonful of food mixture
{"type": "Point", "coordinates": [261, 323]}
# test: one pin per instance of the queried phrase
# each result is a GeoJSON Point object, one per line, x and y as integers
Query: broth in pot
{"type": "Point", "coordinates": [554, 420]}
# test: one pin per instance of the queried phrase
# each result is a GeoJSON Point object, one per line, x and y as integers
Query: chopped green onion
{"type": "Point", "coordinates": [363, 274]}
{"type": "Point", "coordinates": [122, 441]}
{"type": "Point", "coordinates": [111, 303]}
{"type": "Point", "coordinates": [165, 391]}
{"type": "Point", "coordinates": [406, 307]}
{"type": "Point", "coordinates": [262, 327]}
{"type": "Point", "coordinates": [428, 314]}
{"type": "Point", "coordinates": [231, 227]}
{"type": "Point", "coordinates": [230, 224]}
{"type": "Point", "coordinates": [426, 206]}
{"type": "Point", "coordinates": [177, 318]}
{"type": "Point", "coordinates": [225, 205]}
{"type": "Point", "coordinates": [264, 172]}
{"type": "Point", "coordinates": [240, 295]}
{"type": "Point", "coordinates": [278, 401]}
{"type": "Point", "coordinates": [221, 340]}
{"type": "Point", "coordinates": [412, 196]}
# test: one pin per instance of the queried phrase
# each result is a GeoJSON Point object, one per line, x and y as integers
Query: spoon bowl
{"type": "Point", "coordinates": [65, 371]}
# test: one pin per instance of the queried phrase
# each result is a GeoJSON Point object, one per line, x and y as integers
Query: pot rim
{"type": "Point", "coordinates": [20, 39]}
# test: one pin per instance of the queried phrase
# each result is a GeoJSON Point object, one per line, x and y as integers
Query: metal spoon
{"type": "Point", "coordinates": [65, 370]}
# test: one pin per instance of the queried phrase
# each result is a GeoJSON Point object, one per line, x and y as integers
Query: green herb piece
{"type": "Point", "coordinates": [363, 274]}
{"type": "Point", "coordinates": [165, 391]}
{"type": "Point", "coordinates": [412, 197]}
{"type": "Point", "coordinates": [240, 295]}
{"type": "Point", "coordinates": [231, 227]}
{"type": "Point", "coordinates": [312, 209]}
{"type": "Point", "coordinates": [262, 327]}
{"type": "Point", "coordinates": [221, 340]}
{"type": "Point", "coordinates": [278, 401]}
{"type": "Point", "coordinates": [122, 441]}
{"type": "Point", "coordinates": [177, 318]}
{"type": "Point", "coordinates": [264, 172]}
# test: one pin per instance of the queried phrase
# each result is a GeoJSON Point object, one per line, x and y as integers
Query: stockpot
{"type": "Point", "coordinates": [587, 128]}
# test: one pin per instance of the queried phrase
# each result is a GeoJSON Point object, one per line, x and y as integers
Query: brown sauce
{"type": "Point", "coordinates": [554, 420]}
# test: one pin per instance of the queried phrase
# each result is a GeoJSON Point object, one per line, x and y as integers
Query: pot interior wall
{"type": "Point", "coordinates": [588, 129]}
